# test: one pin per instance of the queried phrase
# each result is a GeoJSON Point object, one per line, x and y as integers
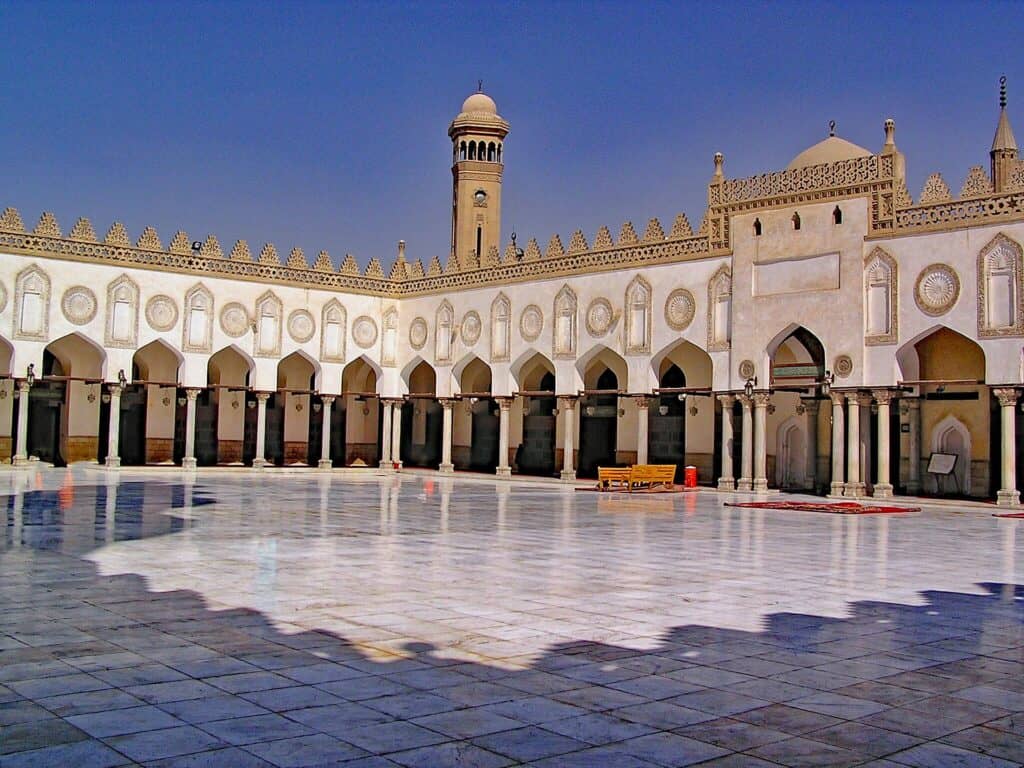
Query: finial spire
{"type": "Point", "coordinates": [1002, 92]}
{"type": "Point", "coordinates": [831, 127]}
{"type": "Point", "coordinates": [480, 86]}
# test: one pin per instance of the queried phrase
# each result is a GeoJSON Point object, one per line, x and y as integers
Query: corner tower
{"type": "Point", "coordinates": [478, 135]}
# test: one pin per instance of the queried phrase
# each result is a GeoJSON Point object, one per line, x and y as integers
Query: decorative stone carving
{"type": "Point", "coordinates": [531, 323]}
{"type": "Point", "coordinates": [599, 317]}
{"type": "Point", "coordinates": [564, 324]}
{"type": "Point", "coordinates": [720, 310]}
{"type": "Point", "coordinates": [977, 183]}
{"type": "Point", "coordinates": [79, 305]}
{"type": "Point", "coordinates": [31, 304]}
{"type": "Point", "coordinates": [1000, 289]}
{"type": "Point", "coordinates": [197, 334]}
{"type": "Point", "coordinates": [843, 366]}
{"type": "Point", "coordinates": [418, 333]}
{"type": "Point", "coordinates": [269, 316]}
{"type": "Point", "coordinates": [444, 335]}
{"type": "Point", "coordinates": [122, 329]}
{"type": "Point", "coordinates": [501, 328]}
{"type": "Point", "coordinates": [364, 331]}
{"type": "Point", "coordinates": [389, 342]}
{"type": "Point", "coordinates": [937, 289]}
{"type": "Point", "coordinates": [680, 309]}
{"type": "Point", "coordinates": [746, 369]}
{"type": "Point", "coordinates": [471, 327]}
{"type": "Point", "coordinates": [161, 313]}
{"type": "Point", "coordinates": [881, 298]}
{"type": "Point", "coordinates": [234, 320]}
{"type": "Point", "coordinates": [301, 326]}
{"type": "Point", "coordinates": [638, 311]}
{"type": "Point", "coordinates": [333, 319]}
{"type": "Point", "coordinates": [935, 190]}
{"type": "Point", "coordinates": [3, 297]}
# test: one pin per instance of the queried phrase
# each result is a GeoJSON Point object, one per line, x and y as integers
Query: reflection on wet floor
{"type": "Point", "coordinates": [441, 621]}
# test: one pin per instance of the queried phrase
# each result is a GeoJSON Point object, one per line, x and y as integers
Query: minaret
{"type": "Point", "coordinates": [1004, 145]}
{"type": "Point", "coordinates": [477, 134]}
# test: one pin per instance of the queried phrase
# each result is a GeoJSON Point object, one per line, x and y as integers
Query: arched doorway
{"type": "Point", "coordinates": [422, 420]}
{"type": "Point", "coordinates": [149, 406]}
{"type": "Point", "coordinates": [667, 420]}
{"type": "Point", "coordinates": [225, 412]}
{"type": "Point", "coordinates": [356, 427]}
{"type": "Point", "coordinates": [475, 422]}
{"type": "Point", "coordinates": [599, 416]}
{"type": "Point", "coordinates": [682, 425]}
{"type": "Point", "coordinates": [535, 454]}
{"type": "Point", "coordinates": [295, 423]}
{"type": "Point", "coordinates": [791, 451]}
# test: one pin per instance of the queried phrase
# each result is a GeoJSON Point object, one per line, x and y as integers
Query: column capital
{"type": "Point", "coordinates": [745, 401]}
{"type": "Point", "coordinates": [263, 396]}
{"type": "Point", "coordinates": [447, 402]}
{"type": "Point", "coordinates": [810, 405]}
{"type": "Point", "coordinates": [642, 401]}
{"type": "Point", "coordinates": [726, 398]}
{"type": "Point", "coordinates": [761, 399]}
{"type": "Point", "coordinates": [1006, 395]}
{"type": "Point", "coordinates": [115, 389]}
{"type": "Point", "coordinates": [327, 399]}
{"type": "Point", "coordinates": [837, 398]}
{"type": "Point", "coordinates": [567, 402]}
{"type": "Point", "coordinates": [192, 393]}
{"type": "Point", "coordinates": [883, 396]}
{"type": "Point", "coordinates": [504, 402]}
{"type": "Point", "coordinates": [858, 398]}
{"type": "Point", "coordinates": [23, 385]}
{"type": "Point", "coordinates": [392, 400]}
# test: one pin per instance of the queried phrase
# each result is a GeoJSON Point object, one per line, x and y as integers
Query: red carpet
{"type": "Point", "coordinates": [835, 508]}
{"type": "Point", "coordinates": [1013, 515]}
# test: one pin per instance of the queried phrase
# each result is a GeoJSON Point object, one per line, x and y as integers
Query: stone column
{"type": "Point", "coordinates": [385, 434]}
{"type": "Point", "coordinates": [643, 403]}
{"type": "Point", "coordinates": [854, 482]}
{"type": "Point", "coordinates": [761, 441]}
{"type": "Point", "coordinates": [883, 488]}
{"type": "Point", "coordinates": [914, 454]}
{"type": "Point", "coordinates": [727, 481]}
{"type": "Point", "coordinates": [567, 405]}
{"type": "Point", "coordinates": [811, 470]}
{"type": "Point", "coordinates": [21, 439]}
{"type": "Point", "coordinates": [838, 437]}
{"type": "Point", "coordinates": [325, 433]}
{"type": "Point", "coordinates": [260, 460]}
{"type": "Point", "coordinates": [746, 481]}
{"type": "Point", "coordinates": [504, 409]}
{"type": "Point", "coordinates": [1008, 495]}
{"type": "Point", "coordinates": [446, 436]}
{"type": "Point", "coordinates": [188, 461]}
{"type": "Point", "coordinates": [114, 427]}
{"type": "Point", "coordinates": [396, 433]}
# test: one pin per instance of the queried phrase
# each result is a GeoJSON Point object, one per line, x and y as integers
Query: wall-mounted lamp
{"type": "Point", "coordinates": [317, 406]}
{"type": "Point", "coordinates": [250, 404]}
{"type": "Point", "coordinates": [748, 387]}
{"type": "Point", "coordinates": [30, 374]}
{"type": "Point", "coordinates": [826, 383]}
{"type": "Point", "coordinates": [693, 410]}
{"type": "Point", "coordinates": [663, 410]}
{"type": "Point", "coordinates": [682, 397]}
{"type": "Point", "coordinates": [182, 401]}
{"type": "Point", "coordinates": [106, 398]}
{"type": "Point", "coordinates": [554, 412]}
{"type": "Point", "coordinates": [122, 380]}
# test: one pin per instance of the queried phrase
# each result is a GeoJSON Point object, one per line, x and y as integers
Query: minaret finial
{"type": "Point", "coordinates": [1002, 92]}
{"type": "Point", "coordinates": [480, 86]}
{"type": "Point", "coordinates": [831, 127]}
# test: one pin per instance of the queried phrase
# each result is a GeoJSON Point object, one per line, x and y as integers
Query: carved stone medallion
{"type": "Point", "coordinates": [418, 333]}
{"type": "Point", "coordinates": [301, 326]}
{"type": "Point", "coordinates": [747, 369]}
{"type": "Point", "coordinates": [843, 366]}
{"type": "Point", "coordinates": [234, 319]}
{"type": "Point", "coordinates": [937, 289]}
{"type": "Point", "coordinates": [161, 313]}
{"type": "Point", "coordinates": [471, 327]}
{"type": "Point", "coordinates": [364, 331]}
{"type": "Point", "coordinates": [680, 308]}
{"type": "Point", "coordinates": [531, 322]}
{"type": "Point", "coordinates": [79, 305]}
{"type": "Point", "coordinates": [599, 317]}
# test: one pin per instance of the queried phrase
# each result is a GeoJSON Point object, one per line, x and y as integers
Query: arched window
{"type": "Point", "coordinates": [501, 323]}
{"type": "Point", "coordinates": [122, 313]}
{"type": "Point", "coordinates": [443, 333]}
{"type": "Point", "coordinates": [462, 151]}
{"type": "Point", "coordinates": [32, 304]}
{"type": "Point", "coordinates": [490, 152]}
{"type": "Point", "coordinates": [564, 327]}
{"type": "Point", "coordinates": [999, 277]}
{"type": "Point", "coordinates": [638, 316]}
{"type": "Point", "coordinates": [481, 152]}
{"type": "Point", "coordinates": [837, 215]}
{"type": "Point", "coordinates": [332, 332]}
{"type": "Point", "coordinates": [499, 152]}
{"type": "Point", "coordinates": [268, 325]}
{"type": "Point", "coordinates": [796, 221]}
{"type": "Point", "coordinates": [720, 310]}
{"type": "Point", "coordinates": [472, 150]}
{"type": "Point", "coordinates": [389, 344]}
{"type": "Point", "coordinates": [880, 317]}
{"type": "Point", "coordinates": [757, 227]}
{"type": "Point", "coordinates": [198, 330]}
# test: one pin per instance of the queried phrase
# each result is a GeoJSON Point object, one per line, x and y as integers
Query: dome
{"type": "Point", "coordinates": [831, 150]}
{"type": "Point", "coordinates": [480, 102]}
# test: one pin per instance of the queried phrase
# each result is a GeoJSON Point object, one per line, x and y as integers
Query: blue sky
{"type": "Point", "coordinates": [323, 125]}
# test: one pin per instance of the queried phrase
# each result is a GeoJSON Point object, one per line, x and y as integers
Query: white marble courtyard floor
{"type": "Point", "coordinates": [240, 619]}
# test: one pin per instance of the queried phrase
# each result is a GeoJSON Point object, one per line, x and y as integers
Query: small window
{"type": "Point", "coordinates": [796, 221]}
{"type": "Point", "coordinates": [837, 216]}
{"type": "Point", "coordinates": [757, 227]}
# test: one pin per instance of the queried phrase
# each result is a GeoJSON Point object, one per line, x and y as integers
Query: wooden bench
{"type": "Point", "coordinates": [650, 476]}
{"type": "Point", "coordinates": [610, 478]}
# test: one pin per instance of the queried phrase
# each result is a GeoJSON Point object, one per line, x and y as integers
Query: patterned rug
{"type": "Point", "coordinates": [1012, 515]}
{"type": "Point", "coordinates": [834, 508]}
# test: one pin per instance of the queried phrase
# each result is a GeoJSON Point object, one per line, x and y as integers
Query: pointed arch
{"type": "Point", "coordinates": [158, 361]}
{"type": "Point", "coordinates": [695, 363]}
{"type": "Point", "coordinates": [269, 311]}
{"type": "Point", "coordinates": [918, 358]}
{"type": "Point", "coordinates": [6, 357]}
{"type": "Point", "coordinates": [361, 376]}
{"type": "Point", "coordinates": [791, 453]}
{"type": "Point", "coordinates": [565, 329]}
{"type": "Point", "coordinates": [229, 366]}
{"type": "Point", "coordinates": [79, 356]}
{"type": "Point", "coordinates": [795, 356]}
{"type": "Point", "coordinates": [598, 358]}
{"type": "Point", "coordinates": [197, 332]}
{"type": "Point", "coordinates": [122, 326]}
{"type": "Point", "coordinates": [881, 297]}
{"type": "Point", "coordinates": [720, 310]}
{"type": "Point", "coordinates": [472, 374]}
{"type": "Point", "coordinates": [951, 436]}
{"type": "Point", "coordinates": [420, 377]}
{"type": "Point", "coordinates": [501, 328]}
{"type": "Point", "coordinates": [1000, 288]}
{"type": "Point", "coordinates": [444, 333]}
{"type": "Point", "coordinates": [31, 304]}
{"type": "Point", "coordinates": [333, 327]}
{"type": "Point", "coordinates": [638, 316]}
{"type": "Point", "coordinates": [298, 370]}
{"type": "Point", "coordinates": [529, 368]}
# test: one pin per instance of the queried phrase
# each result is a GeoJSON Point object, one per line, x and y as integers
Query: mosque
{"type": "Point", "coordinates": [820, 331]}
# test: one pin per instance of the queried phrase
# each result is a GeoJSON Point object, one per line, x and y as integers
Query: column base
{"type": "Point", "coordinates": [19, 461]}
{"type": "Point", "coordinates": [744, 484]}
{"type": "Point", "coordinates": [259, 463]}
{"type": "Point", "coordinates": [325, 464]}
{"type": "Point", "coordinates": [113, 462]}
{"type": "Point", "coordinates": [726, 484]}
{"type": "Point", "coordinates": [836, 489]}
{"type": "Point", "coordinates": [503, 471]}
{"type": "Point", "coordinates": [855, 490]}
{"type": "Point", "coordinates": [189, 462]}
{"type": "Point", "coordinates": [1008, 497]}
{"type": "Point", "coordinates": [446, 468]}
{"type": "Point", "coordinates": [760, 485]}
{"type": "Point", "coordinates": [883, 491]}
{"type": "Point", "coordinates": [568, 476]}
